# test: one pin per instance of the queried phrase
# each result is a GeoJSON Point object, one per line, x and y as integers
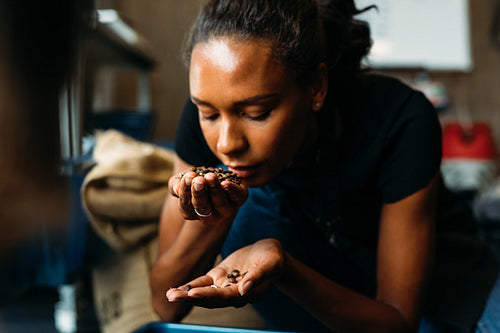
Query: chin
{"type": "Point", "coordinates": [259, 180]}
{"type": "Point", "coordinates": [256, 181]}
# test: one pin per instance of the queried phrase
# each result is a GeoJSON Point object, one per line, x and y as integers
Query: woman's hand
{"type": "Point", "coordinates": [242, 277]}
{"type": "Point", "coordinates": [205, 198]}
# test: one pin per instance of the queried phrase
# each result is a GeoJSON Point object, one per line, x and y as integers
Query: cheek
{"type": "Point", "coordinates": [211, 135]}
{"type": "Point", "coordinates": [287, 138]}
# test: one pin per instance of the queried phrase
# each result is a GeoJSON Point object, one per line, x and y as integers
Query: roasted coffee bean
{"type": "Point", "coordinates": [220, 172]}
{"type": "Point", "coordinates": [232, 280]}
{"type": "Point", "coordinates": [243, 275]}
{"type": "Point", "coordinates": [187, 288]}
{"type": "Point", "coordinates": [235, 273]}
{"type": "Point", "coordinates": [227, 285]}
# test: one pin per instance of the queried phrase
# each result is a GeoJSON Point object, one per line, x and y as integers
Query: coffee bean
{"type": "Point", "coordinates": [187, 288]}
{"type": "Point", "coordinates": [221, 173]}
{"type": "Point", "coordinates": [235, 273]}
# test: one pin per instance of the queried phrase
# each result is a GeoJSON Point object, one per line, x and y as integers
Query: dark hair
{"type": "Point", "coordinates": [348, 40]}
{"type": "Point", "coordinates": [302, 33]}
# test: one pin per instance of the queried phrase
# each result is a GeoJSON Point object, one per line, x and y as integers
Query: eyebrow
{"type": "Point", "coordinates": [247, 101]}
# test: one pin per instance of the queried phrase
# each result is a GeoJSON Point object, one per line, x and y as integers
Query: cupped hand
{"type": "Point", "coordinates": [205, 198]}
{"type": "Point", "coordinates": [241, 278]}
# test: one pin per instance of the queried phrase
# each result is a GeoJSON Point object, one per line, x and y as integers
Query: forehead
{"type": "Point", "coordinates": [232, 63]}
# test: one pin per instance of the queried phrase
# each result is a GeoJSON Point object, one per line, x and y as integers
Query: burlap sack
{"type": "Point", "coordinates": [121, 291]}
{"type": "Point", "coordinates": [124, 193]}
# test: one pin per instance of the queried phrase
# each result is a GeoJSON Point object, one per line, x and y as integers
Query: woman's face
{"type": "Point", "coordinates": [255, 117]}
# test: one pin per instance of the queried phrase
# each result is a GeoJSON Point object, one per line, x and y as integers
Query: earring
{"type": "Point", "coordinates": [317, 105]}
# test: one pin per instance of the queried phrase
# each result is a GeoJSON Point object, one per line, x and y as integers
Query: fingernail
{"type": "Point", "coordinates": [188, 180]}
{"type": "Point", "coordinates": [246, 287]}
{"type": "Point", "coordinates": [198, 186]}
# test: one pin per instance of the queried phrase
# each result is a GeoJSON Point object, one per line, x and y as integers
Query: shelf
{"type": "Point", "coordinates": [112, 42]}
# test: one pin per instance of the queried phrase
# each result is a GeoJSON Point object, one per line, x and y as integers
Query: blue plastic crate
{"type": "Point", "coordinates": [191, 328]}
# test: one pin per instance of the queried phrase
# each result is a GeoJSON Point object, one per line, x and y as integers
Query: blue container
{"type": "Point", "coordinates": [136, 124]}
{"type": "Point", "coordinates": [190, 328]}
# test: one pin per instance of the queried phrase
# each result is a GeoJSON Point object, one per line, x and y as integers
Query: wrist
{"type": "Point", "coordinates": [198, 237]}
{"type": "Point", "coordinates": [286, 270]}
{"type": "Point", "coordinates": [207, 230]}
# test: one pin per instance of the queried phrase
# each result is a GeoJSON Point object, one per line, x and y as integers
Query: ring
{"type": "Point", "coordinates": [203, 215]}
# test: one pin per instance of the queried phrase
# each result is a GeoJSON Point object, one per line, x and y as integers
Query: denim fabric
{"type": "Point", "coordinates": [273, 211]}
{"type": "Point", "coordinates": [431, 326]}
{"type": "Point", "coordinates": [489, 322]}
{"type": "Point", "coordinates": [260, 218]}
{"type": "Point", "coordinates": [490, 319]}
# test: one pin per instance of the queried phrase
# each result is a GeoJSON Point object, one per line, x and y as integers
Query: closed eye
{"type": "Point", "coordinates": [259, 117]}
{"type": "Point", "coordinates": [210, 117]}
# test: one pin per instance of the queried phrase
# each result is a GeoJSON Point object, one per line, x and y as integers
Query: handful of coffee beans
{"type": "Point", "coordinates": [220, 172]}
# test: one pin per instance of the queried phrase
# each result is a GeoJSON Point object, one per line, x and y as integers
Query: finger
{"type": "Point", "coordinates": [173, 185]}
{"type": "Point", "coordinates": [208, 279]}
{"type": "Point", "coordinates": [176, 294]}
{"type": "Point", "coordinates": [218, 196]}
{"type": "Point", "coordinates": [262, 273]}
{"type": "Point", "coordinates": [238, 194]}
{"type": "Point", "coordinates": [246, 284]}
{"type": "Point", "coordinates": [208, 297]}
{"type": "Point", "coordinates": [185, 204]}
{"type": "Point", "coordinates": [218, 274]}
{"type": "Point", "coordinates": [201, 196]}
{"type": "Point", "coordinates": [216, 296]}
{"type": "Point", "coordinates": [202, 281]}
{"type": "Point", "coordinates": [181, 292]}
{"type": "Point", "coordinates": [253, 286]}
{"type": "Point", "coordinates": [220, 294]}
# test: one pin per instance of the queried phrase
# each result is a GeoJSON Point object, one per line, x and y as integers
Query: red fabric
{"type": "Point", "coordinates": [475, 142]}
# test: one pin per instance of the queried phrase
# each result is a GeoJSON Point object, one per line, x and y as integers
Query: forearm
{"type": "Point", "coordinates": [339, 308]}
{"type": "Point", "coordinates": [191, 254]}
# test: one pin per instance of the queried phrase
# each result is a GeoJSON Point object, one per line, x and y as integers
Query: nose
{"type": "Point", "coordinates": [231, 140]}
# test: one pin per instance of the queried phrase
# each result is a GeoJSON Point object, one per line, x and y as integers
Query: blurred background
{"type": "Point", "coordinates": [70, 68]}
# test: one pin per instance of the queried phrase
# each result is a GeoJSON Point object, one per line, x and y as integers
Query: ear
{"type": "Point", "coordinates": [320, 87]}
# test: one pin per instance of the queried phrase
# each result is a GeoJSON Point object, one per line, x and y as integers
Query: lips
{"type": "Point", "coordinates": [244, 171]}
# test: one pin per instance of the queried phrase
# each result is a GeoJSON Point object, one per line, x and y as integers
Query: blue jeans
{"type": "Point", "coordinates": [270, 212]}
{"type": "Point", "coordinates": [489, 322]}
{"type": "Point", "coordinates": [490, 319]}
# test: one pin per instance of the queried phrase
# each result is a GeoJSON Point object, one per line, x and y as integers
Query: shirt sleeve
{"type": "Point", "coordinates": [189, 143]}
{"type": "Point", "coordinates": [412, 153]}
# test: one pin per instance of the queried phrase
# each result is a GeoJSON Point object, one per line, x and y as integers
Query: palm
{"type": "Point", "coordinates": [240, 278]}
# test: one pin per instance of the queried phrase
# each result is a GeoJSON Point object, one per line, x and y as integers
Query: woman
{"type": "Point", "coordinates": [334, 226]}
